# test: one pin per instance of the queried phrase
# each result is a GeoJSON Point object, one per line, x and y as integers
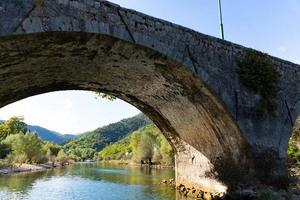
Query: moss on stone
{"type": "Point", "coordinates": [38, 2]}
{"type": "Point", "coordinates": [258, 73]}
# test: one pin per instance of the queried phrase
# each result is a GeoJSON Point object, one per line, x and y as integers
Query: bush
{"type": "Point", "coordinates": [258, 73]}
{"type": "Point", "coordinates": [4, 150]}
{"type": "Point", "coordinates": [293, 151]}
{"type": "Point", "coordinates": [297, 156]}
{"type": "Point", "coordinates": [18, 159]}
{"type": "Point", "coordinates": [4, 164]}
{"type": "Point", "coordinates": [62, 157]}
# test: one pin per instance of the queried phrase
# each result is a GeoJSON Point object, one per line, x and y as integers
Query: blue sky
{"type": "Point", "coordinates": [272, 26]}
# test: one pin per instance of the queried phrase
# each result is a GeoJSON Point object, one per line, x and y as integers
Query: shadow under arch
{"type": "Point", "coordinates": [211, 151]}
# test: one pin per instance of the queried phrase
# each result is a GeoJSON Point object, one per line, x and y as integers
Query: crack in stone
{"type": "Point", "coordinates": [24, 18]}
{"type": "Point", "coordinates": [194, 61]}
{"type": "Point", "coordinates": [289, 112]}
{"type": "Point", "coordinates": [236, 104]}
{"type": "Point", "coordinates": [126, 26]}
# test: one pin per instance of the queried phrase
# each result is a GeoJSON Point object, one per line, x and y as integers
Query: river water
{"type": "Point", "coordinates": [89, 181]}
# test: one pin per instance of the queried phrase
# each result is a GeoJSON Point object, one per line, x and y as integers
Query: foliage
{"type": "Point", "coordinates": [105, 96]}
{"type": "Point", "coordinates": [81, 146]}
{"type": "Point", "coordinates": [258, 73]}
{"type": "Point", "coordinates": [167, 152]}
{"type": "Point", "coordinates": [14, 125]}
{"type": "Point", "coordinates": [20, 146]}
{"type": "Point", "coordinates": [147, 143]}
{"type": "Point", "coordinates": [29, 144]}
{"type": "Point", "coordinates": [4, 150]}
{"type": "Point", "coordinates": [62, 157]}
{"type": "Point", "coordinates": [4, 164]}
{"type": "Point", "coordinates": [18, 158]}
{"type": "Point", "coordinates": [293, 151]}
{"type": "Point", "coordinates": [114, 152]}
{"type": "Point", "coordinates": [51, 148]}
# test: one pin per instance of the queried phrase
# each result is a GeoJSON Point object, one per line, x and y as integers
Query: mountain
{"type": "Point", "coordinates": [109, 134]}
{"type": "Point", "coordinates": [48, 135]}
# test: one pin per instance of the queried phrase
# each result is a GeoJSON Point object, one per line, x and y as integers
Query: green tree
{"type": "Point", "coordinates": [62, 157]}
{"type": "Point", "coordinates": [167, 152]}
{"type": "Point", "coordinates": [29, 144]}
{"type": "Point", "coordinates": [146, 147]}
{"type": "Point", "coordinates": [4, 150]}
{"type": "Point", "coordinates": [114, 152]}
{"type": "Point", "coordinates": [147, 143]}
{"type": "Point", "coordinates": [51, 149]}
{"type": "Point", "coordinates": [14, 125]}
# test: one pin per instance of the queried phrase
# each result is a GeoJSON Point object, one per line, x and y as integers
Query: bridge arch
{"type": "Point", "coordinates": [211, 152]}
{"type": "Point", "coordinates": [185, 81]}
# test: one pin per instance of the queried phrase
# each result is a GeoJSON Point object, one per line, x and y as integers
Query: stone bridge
{"type": "Point", "coordinates": [186, 82]}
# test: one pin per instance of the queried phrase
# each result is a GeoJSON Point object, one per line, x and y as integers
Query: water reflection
{"type": "Point", "coordinates": [89, 181]}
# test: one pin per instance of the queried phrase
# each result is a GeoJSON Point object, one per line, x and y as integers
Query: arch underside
{"type": "Point", "coordinates": [194, 121]}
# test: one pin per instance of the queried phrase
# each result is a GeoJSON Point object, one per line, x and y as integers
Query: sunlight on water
{"type": "Point", "coordinates": [89, 182]}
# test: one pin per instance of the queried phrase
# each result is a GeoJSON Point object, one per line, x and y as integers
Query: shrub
{"type": "Point", "coordinates": [293, 151]}
{"type": "Point", "coordinates": [258, 74]}
{"type": "Point", "coordinates": [297, 156]}
{"type": "Point", "coordinates": [19, 158]}
{"type": "Point", "coordinates": [62, 157]}
{"type": "Point", "coordinates": [4, 164]}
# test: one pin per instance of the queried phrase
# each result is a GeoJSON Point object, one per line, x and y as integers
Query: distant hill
{"type": "Point", "coordinates": [109, 134]}
{"type": "Point", "coordinates": [48, 135]}
{"type": "Point", "coordinates": [52, 136]}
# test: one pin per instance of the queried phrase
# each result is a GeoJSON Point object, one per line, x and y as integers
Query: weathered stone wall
{"type": "Point", "coordinates": [212, 61]}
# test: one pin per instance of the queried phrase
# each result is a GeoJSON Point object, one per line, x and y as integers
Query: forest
{"type": "Point", "coordinates": [133, 139]}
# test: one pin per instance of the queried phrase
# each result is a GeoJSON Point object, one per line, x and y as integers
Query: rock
{"type": "Point", "coordinates": [182, 189]}
{"type": "Point", "coordinates": [207, 196]}
{"type": "Point", "coordinates": [164, 181]}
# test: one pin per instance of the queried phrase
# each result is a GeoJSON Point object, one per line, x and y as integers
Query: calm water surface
{"type": "Point", "coordinates": [89, 182]}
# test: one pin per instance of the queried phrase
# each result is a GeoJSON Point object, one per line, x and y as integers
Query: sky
{"type": "Point", "coordinates": [271, 26]}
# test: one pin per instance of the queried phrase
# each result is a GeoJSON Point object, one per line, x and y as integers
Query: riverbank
{"type": "Point", "coordinates": [28, 168]}
{"type": "Point", "coordinates": [133, 164]}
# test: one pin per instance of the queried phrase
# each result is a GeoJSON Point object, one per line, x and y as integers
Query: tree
{"type": "Point", "coordinates": [62, 157]}
{"type": "Point", "coordinates": [14, 125]}
{"type": "Point", "coordinates": [10, 160]}
{"type": "Point", "coordinates": [166, 152]}
{"type": "Point", "coordinates": [146, 148]}
{"type": "Point", "coordinates": [29, 144]}
{"type": "Point", "coordinates": [4, 150]}
{"type": "Point", "coordinates": [51, 149]}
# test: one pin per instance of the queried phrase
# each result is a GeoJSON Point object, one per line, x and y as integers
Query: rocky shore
{"type": "Point", "coordinates": [243, 192]}
{"type": "Point", "coordinates": [28, 168]}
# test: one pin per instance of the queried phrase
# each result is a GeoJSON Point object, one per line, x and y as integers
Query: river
{"type": "Point", "coordinates": [89, 181]}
